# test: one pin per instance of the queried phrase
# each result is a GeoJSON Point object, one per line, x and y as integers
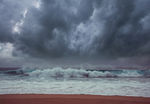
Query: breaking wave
{"type": "Point", "coordinates": [59, 72]}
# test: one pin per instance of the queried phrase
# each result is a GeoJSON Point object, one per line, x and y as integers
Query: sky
{"type": "Point", "coordinates": [73, 30]}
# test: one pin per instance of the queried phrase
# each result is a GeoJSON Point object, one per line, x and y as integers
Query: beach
{"type": "Point", "coordinates": [70, 99]}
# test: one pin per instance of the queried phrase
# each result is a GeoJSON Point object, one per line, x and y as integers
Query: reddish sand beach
{"type": "Point", "coordinates": [70, 99]}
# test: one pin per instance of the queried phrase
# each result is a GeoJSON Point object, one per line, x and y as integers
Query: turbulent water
{"type": "Point", "coordinates": [75, 81]}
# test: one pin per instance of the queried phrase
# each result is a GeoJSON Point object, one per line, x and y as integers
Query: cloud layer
{"type": "Point", "coordinates": [54, 28]}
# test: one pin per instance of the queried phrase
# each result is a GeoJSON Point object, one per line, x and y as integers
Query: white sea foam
{"type": "Point", "coordinates": [104, 86]}
{"type": "Point", "coordinates": [81, 73]}
{"type": "Point", "coordinates": [76, 81]}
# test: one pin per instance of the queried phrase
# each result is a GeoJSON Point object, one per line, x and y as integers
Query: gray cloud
{"type": "Point", "coordinates": [6, 20]}
{"type": "Point", "coordinates": [11, 11]}
{"type": "Point", "coordinates": [85, 28]}
{"type": "Point", "coordinates": [125, 34]}
{"type": "Point", "coordinates": [48, 33]}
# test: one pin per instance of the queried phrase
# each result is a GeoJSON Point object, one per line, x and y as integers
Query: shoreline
{"type": "Point", "coordinates": [70, 99]}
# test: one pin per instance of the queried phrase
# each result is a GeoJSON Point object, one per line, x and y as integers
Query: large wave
{"type": "Point", "coordinates": [58, 72]}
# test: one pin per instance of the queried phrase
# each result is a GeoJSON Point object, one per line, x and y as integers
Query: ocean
{"type": "Point", "coordinates": [58, 80]}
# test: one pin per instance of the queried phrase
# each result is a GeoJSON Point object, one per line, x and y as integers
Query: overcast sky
{"type": "Point", "coordinates": [56, 29]}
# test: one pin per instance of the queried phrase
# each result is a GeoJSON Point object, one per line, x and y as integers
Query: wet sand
{"type": "Point", "coordinates": [70, 99]}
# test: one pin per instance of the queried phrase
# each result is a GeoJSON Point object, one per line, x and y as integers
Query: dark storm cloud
{"type": "Point", "coordinates": [6, 17]}
{"type": "Point", "coordinates": [46, 31]}
{"type": "Point", "coordinates": [125, 34]}
{"type": "Point", "coordinates": [80, 28]}
{"type": "Point", "coordinates": [10, 13]}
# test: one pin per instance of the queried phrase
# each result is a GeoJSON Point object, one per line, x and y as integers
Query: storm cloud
{"type": "Point", "coordinates": [54, 28]}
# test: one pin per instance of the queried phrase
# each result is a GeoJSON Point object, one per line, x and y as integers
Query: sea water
{"type": "Point", "coordinates": [58, 80]}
